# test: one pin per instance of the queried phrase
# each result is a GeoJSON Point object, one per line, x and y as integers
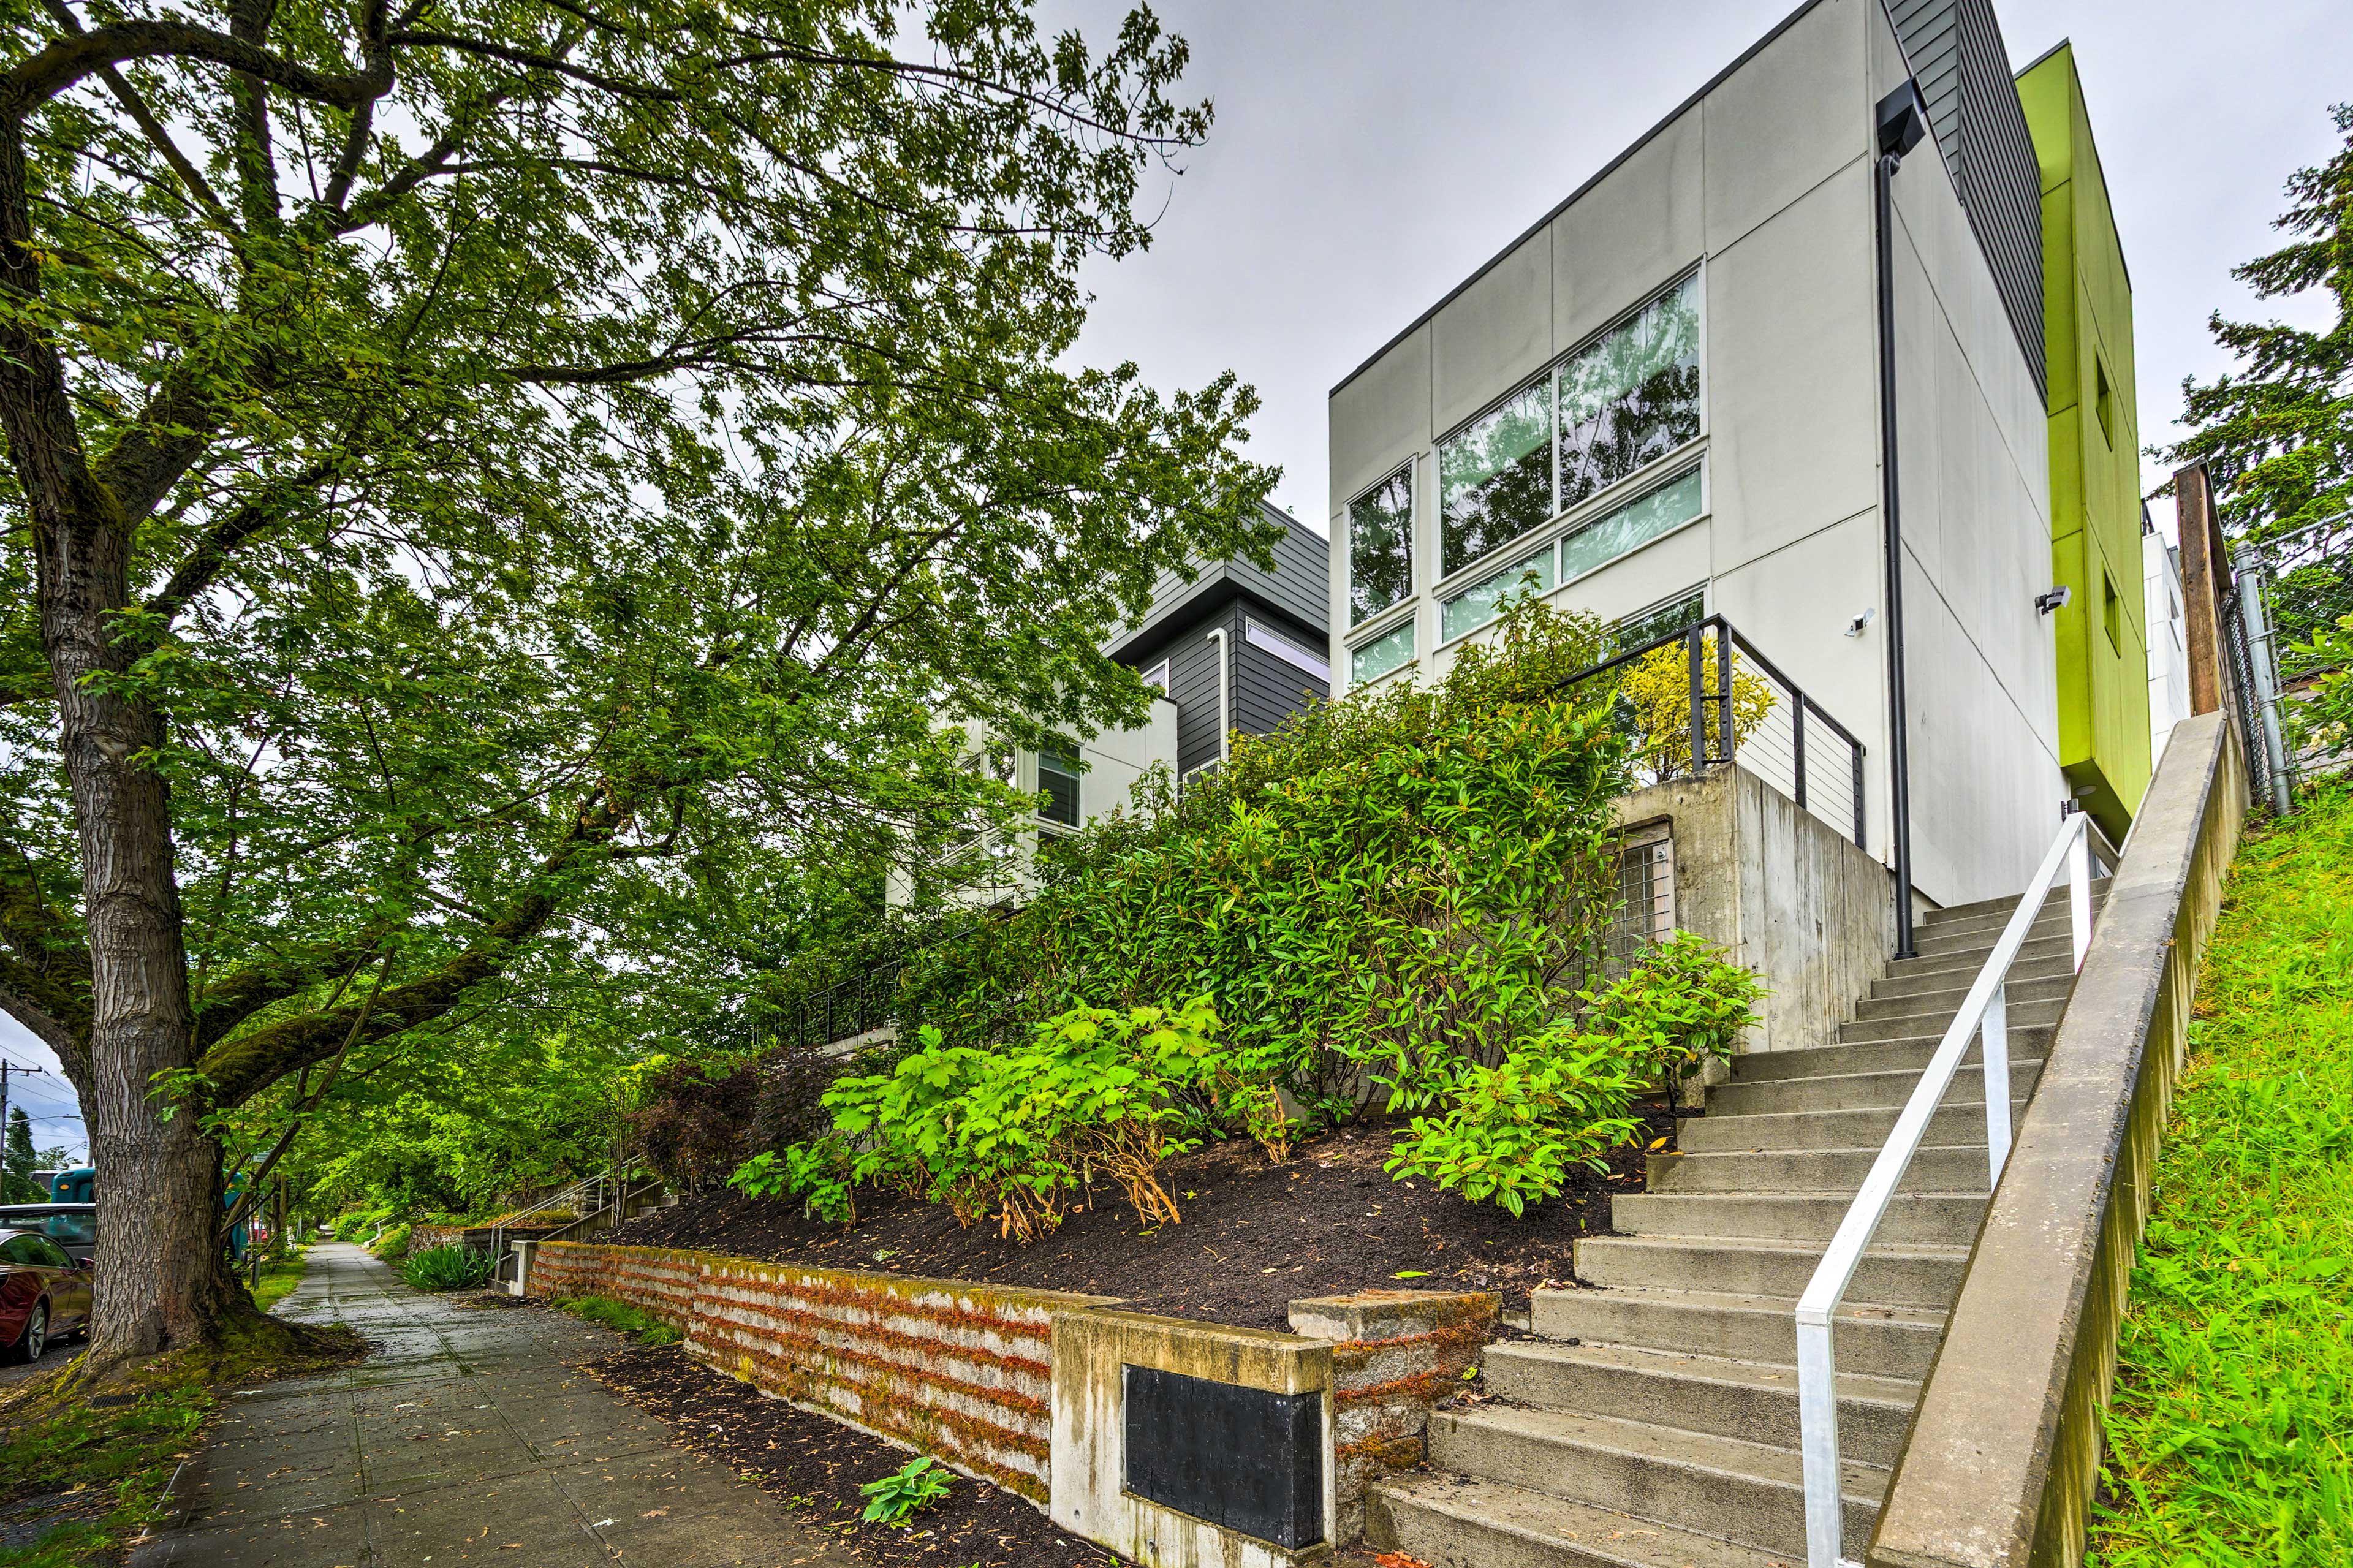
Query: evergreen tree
{"type": "Point", "coordinates": [19, 1160]}
{"type": "Point", "coordinates": [2276, 435]}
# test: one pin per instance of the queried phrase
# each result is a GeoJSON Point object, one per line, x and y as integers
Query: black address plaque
{"type": "Point", "coordinates": [1247, 1458]}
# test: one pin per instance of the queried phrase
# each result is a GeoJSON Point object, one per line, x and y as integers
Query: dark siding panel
{"type": "Point", "coordinates": [1300, 586]}
{"type": "Point", "coordinates": [1193, 682]}
{"type": "Point", "coordinates": [1268, 688]}
{"type": "Point", "coordinates": [1958, 57]}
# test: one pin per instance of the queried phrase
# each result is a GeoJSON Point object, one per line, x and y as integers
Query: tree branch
{"type": "Point", "coordinates": [69, 61]}
{"type": "Point", "coordinates": [532, 60]}
{"type": "Point", "coordinates": [149, 126]}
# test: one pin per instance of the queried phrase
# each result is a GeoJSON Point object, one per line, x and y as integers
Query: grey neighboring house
{"type": "Point", "coordinates": [1237, 647]}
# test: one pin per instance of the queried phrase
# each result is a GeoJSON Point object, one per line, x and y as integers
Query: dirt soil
{"type": "Point", "coordinates": [1255, 1235]}
{"type": "Point", "coordinates": [815, 1467]}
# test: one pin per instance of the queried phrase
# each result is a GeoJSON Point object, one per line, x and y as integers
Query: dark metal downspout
{"type": "Point", "coordinates": [1901, 123]}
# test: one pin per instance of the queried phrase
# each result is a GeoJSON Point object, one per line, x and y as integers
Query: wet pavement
{"type": "Point", "coordinates": [468, 1435]}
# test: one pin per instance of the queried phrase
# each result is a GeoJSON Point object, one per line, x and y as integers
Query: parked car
{"type": "Point", "coordinates": [73, 1227]}
{"type": "Point", "coordinates": [43, 1294]}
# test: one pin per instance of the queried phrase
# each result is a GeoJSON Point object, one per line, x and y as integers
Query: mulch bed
{"type": "Point", "coordinates": [815, 1467]}
{"type": "Point", "coordinates": [1255, 1235]}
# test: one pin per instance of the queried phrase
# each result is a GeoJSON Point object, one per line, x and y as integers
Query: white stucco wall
{"type": "Point", "coordinates": [1765, 185]}
{"type": "Point", "coordinates": [2168, 645]}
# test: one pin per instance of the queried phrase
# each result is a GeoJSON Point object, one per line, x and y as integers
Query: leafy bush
{"type": "Point", "coordinates": [694, 1121]}
{"type": "Point", "coordinates": [1658, 688]}
{"type": "Point", "coordinates": [450, 1267]}
{"type": "Point", "coordinates": [1384, 888]}
{"type": "Point", "coordinates": [1510, 1131]}
{"type": "Point", "coordinates": [895, 1498]}
{"type": "Point", "coordinates": [392, 1243]}
{"type": "Point", "coordinates": [1021, 1133]}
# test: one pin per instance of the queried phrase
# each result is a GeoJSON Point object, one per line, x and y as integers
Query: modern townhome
{"type": "Point", "coordinates": [1673, 394]}
{"type": "Point", "coordinates": [1234, 649]}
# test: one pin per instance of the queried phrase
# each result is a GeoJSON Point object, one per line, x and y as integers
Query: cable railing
{"type": "Point", "coordinates": [1985, 1014]}
{"type": "Point", "coordinates": [1731, 703]}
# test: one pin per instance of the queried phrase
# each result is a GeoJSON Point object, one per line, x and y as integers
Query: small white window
{"type": "Point", "coordinates": [1157, 675]}
{"type": "Point", "coordinates": [1258, 634]}
{"type": "Point", "coordinates": [1058, 784]}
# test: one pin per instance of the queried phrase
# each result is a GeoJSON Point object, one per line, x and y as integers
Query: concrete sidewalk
{"type": "Point", "coordinates": [466, 1438]}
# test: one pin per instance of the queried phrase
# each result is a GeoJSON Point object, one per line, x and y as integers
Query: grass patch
{"type": "Point", "coordinates": [2234, 1396]}
{"type": "Point", "coordinates": [647, 1329]}
{"type": "Point", "coordinates": [280, 1272]}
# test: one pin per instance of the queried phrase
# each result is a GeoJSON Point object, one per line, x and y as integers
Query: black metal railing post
{"type": "Point", "coordinates": [1798, 745]}
{"type": "Point", "coordinates": [1859, 840]}
{"type": "Point", "coordinates": [1694, 648]}
{"type": "Point", "coordinates": [1724, 689]}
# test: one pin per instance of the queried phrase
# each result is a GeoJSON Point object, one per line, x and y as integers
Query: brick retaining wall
{"type": "Point", "coordinates": [960, 1371]}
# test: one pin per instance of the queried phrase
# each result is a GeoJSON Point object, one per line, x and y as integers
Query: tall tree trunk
{"type": "Point", "coordinates": [157, 1283]}
{"type": "Point", "coordinates": [158, 1213]}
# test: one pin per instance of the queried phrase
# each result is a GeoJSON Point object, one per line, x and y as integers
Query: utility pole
{"type": "Point", "coordinates": [8, 1067]}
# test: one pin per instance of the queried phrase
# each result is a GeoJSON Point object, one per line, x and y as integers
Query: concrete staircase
{"type": "Point", "coordinates": [1655, 1421]}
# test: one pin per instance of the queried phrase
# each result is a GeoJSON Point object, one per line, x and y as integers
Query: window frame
{"type": "Point", "coordinates": [1448, 582]}
{"type": "Point", "coordinates": [1685, 460]}
{"type": "Point", "coordinates": [1157, 677]}
{"type": "Point", "coordinates": [1078, 799]}
{"type": "Point", "coordinates": [1269, 638]}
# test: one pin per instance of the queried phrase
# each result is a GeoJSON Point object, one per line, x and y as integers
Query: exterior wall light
{"type": "Point", "coordinates": [1857, 626]}
{"type": "Point", "coordinates": [2052, 599]}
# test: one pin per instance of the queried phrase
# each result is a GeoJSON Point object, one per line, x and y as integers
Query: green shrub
{"type": "Point", "coordinates": [392, 1246]}
{"type": "Point", "coordinates": [1509, 1132]}
{"type": "Point", "coordinates": [2323, 720]}
{"type": "Point", "coordinates": [450, 1267]}
{"type": "Point", "coordinates": [1019, 1132]}
{"type": "Point", "coordinates": [1385, 888]}
{"type": "Point", "coordinates": [894, 1499]}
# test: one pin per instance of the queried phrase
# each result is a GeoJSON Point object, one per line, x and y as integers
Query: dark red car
{"type": "Point", "coordinates": [43, 1294]}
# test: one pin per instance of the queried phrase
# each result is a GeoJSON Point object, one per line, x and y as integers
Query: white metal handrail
{"type": "Point", "coordinates": [1985, 1011]}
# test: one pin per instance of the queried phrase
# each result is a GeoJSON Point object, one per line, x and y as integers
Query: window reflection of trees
{"type": "Point", "coordinates": [1380, 546]}
{"type": "Point", "coordinates": [1495, 479]}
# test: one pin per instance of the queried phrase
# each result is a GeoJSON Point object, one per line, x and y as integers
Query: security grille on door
{"type": "Point", "coordinates": [1646, 892]}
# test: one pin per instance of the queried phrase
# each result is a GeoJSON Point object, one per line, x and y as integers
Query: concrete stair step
{"type": "Point", "coordinates": [1932, 1025]}
{"type": "Point", "coordinates": [1945, 1004]}
{"type": "Point", "coordinates": [1859, 1128]}
{"type": "Point", "coordinates": [1874, 1338]}
{"type": "Point", "coordinates": [1748, 1494]}
{"type": "Point", "coordinates": [1932, 941]}
{"type": "Point", "coordinates": [1934, 1219]}
{"type": "Point", "coordinates": [1454, 1521]}
{"type": "Point", "coordinates": [2059, 968]}
{"type": "Point", "coordinates": [1868, 1056]}
{"type": "Point", "coordinates": [1968, 960]}
{"type": "Point", "coordinates": [1753, 1401]}
{"type": "Point", "coordinates": [1892, 1274]}
{"type": "Point", "coordinates": [1934, 1169]}
{"type": "Point", "coordinates": [1999, 910]}
{"type": "Point", "coordinates": [1861, 1091]}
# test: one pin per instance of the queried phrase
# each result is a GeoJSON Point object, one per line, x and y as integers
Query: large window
{"type": "Point", "coordinates": [1592, 544]}
{"type": "Point", "coordinates": [1632, 397]}
{"type": "Point", "coordinates": [1631, 526]}
{"type": "Point", "coordinates": [1494, 480]}
{"type": "Point", "coordinates": [1380, 546]}
{"type": "Point", "coordinates": [1618, 404]}
{"type": "Point", "coordinates": [1058, 784]}
{"type": "Point", "coordinates": [1381, 655]}
{"type": "Point", "coordinates": [1483, 600]}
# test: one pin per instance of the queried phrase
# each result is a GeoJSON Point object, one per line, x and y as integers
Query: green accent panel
{"type": "Point", "coordinates": [2103, 640]}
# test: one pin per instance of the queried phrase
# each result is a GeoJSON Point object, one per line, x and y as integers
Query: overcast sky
{"type": "Point", "coordinates": [1368, 155]}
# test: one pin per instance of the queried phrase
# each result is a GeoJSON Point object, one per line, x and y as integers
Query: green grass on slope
{"type": "Point", "coordinates": [2229, 1438]}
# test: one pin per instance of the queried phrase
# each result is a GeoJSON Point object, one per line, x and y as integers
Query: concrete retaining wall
{"type": "Point", "coordinates": [2001, 1462]}
{"type": "Point", "coordinates": [1782, 891]}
